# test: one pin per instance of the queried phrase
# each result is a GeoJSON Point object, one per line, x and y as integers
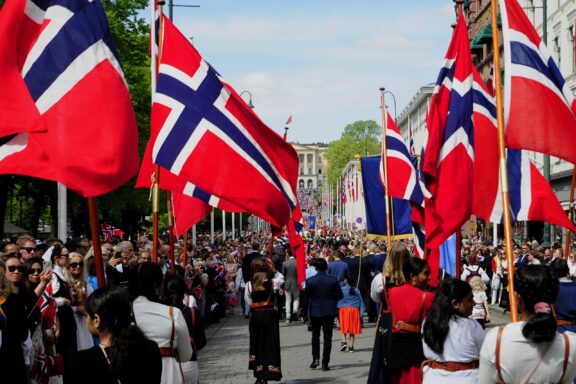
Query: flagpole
{"type": "Point", "coordinates": [96, 242]}
{"type": "Point", "coordinates": [568, 232]}
{"type": "Point", "coordinates": [156, 185]}
{"type": "Point", "coordinates": [503, 165]}
{"type": "Point", "coordinates": [170, 230]}
{"type": "Point", "coordinates": [212, 226]}
{"type": "Point", "coordinates": [385, 161]}
{"type": "Point", "coordinates": [185, 257]}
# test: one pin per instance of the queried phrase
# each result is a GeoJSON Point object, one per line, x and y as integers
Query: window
{"type": "Point", "coordinates": [301, 184]}
{"type": "Point", "coordinates": [309, 158]}
{"type": "Point", "coordinates": [301, 157]}
{"type": "Point", "coordinates": [310, 184]}
{"type": "Point", "coordinates": [301, 171]}
{"type": "Point", "coordinates": [309, 171]}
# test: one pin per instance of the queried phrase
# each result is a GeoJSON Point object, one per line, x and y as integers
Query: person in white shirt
{"type": "Point", "coordinates": [530, 350]}
{"type": "Point", "coordinates": [452, 341]}
{"type": "Point", "coordinates": [160, 323]}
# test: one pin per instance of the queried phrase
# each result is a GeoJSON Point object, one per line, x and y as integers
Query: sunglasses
{"type": "Point", "coordinates": [76, 265]}
{"type": "Point", "coordinates": [34, 270]}
{"type": "Point", "coordinates": [14, 268]}
{"type": "Point", "coordinates": [30, 250]}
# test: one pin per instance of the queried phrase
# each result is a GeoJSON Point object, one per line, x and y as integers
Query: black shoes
{"type": "Point", "coordinates": [343, 347]}
{"type": "Point", "coordinates": [325, 367]}
{"type": "Point", "coordinates": [315, 363]}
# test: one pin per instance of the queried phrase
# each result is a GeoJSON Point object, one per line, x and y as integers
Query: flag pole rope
{"type": "Point", "coordinates": [385, 162]}
{"type": "Point", "coordinates": [503, 165]}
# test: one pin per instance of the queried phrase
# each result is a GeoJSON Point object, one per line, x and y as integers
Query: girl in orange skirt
{"type": "Point", "coordinates": [350, 312]}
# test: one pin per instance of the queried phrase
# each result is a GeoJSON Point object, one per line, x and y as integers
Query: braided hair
{"type": "Point", "coordinates": [538, 287]}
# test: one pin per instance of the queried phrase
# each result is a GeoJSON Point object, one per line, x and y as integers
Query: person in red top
{"type": "Point", "coordinates": [409, 304]}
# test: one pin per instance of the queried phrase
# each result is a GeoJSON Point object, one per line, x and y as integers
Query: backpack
{"type": "Point", "coordinates": [472, 274]}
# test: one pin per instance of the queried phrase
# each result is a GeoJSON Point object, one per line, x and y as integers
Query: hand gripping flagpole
{"type": "Point", "coordinates": [385, 162]}
{"type": "Point", "coordinates": [503, 166]}
{"type": "Point", "coordinates": [570, 214]}
{"type": "Point", "coordinates": [96, 242]}
{"type": "Point", "coordinates": [156, 185]}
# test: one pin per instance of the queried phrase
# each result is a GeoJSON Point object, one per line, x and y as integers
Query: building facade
{"type": "Point", "coordinates": [312, 165]}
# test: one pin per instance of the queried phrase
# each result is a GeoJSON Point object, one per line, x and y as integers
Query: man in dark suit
{"type": "Point", "coordinates": [291, 288]}
{"type": "Point", "coordinates": [523, 260]}
{"type": "Point", "coordinates": [319, 302]}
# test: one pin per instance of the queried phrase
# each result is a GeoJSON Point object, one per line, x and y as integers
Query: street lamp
{"type": "Point", "coordinates": [249, 98]}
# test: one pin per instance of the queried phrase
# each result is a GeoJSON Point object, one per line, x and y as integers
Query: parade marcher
{"type": "Point", "coordinates": [451, 340]}
{"type": "Point", "coordinates": [264, 356]}
{"type": "Point", "coordinates": [124, 355]}
{"type": "Point", "coordinates": [291, 288]}
{"type": "Point", "coordinates": [390, 277]}
{"type": "Point", "coordinates": [409, 304]}
{"type": "Point", "coordinates": [320, 298]}
{"type": "Point", "coordinates": [338, 268]}
{"type": "Point", "coordinates": [496, 284]}
{"type": "Point", "coordinates": [350, 311]}
{"type": "Point", "coordinates": [565, 305]}
{"type": "Point", "coordinates": [530, 350]}
{"type": "Point", "coordinates": [161, 323]}
{"type": "Point", "coordinates": [473, 269]}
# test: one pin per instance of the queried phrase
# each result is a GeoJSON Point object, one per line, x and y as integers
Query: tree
{"type": "Point", "coordinates": [359, 138]}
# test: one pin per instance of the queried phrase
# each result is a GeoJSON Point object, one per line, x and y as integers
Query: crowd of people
{"type": "Point", "coordinates": [154, 314]}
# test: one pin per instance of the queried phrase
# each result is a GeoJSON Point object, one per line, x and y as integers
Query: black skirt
{"type": "Point", "coordinates": [265, 344]}
{"type": "Point", "coordinates": [378, 372]}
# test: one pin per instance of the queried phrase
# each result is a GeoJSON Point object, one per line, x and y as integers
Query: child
{"type": "Point", "coordinates": [231, 298]}
{"type": "Point", "coordinates": [481, 311]}
{"type": "Point", "coordinates": [350, 311]}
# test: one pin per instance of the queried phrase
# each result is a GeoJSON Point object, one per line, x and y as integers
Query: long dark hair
{"type": "Point", "coordinates": [537, 284]}
{"type": "Point", "coordinates": [413, 266]}
{"type": "Point", "coordinates": [438, 316]}
{"type": "Point", "coordinates": [174, 290]}
{"type": "Point", "coordinates": [112, 305]}
{"type": "Point", "coordinates": [144, 279]}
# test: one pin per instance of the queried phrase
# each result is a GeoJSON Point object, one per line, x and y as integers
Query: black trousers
{"type": "Point", "coordinates": [325, 323]}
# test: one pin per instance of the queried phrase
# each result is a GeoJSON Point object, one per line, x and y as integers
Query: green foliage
{"type": "Point", "coordinates": [359, 138]}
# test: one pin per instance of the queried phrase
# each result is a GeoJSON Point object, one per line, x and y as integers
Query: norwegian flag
{"type": "Point", "coordinates": [412, 149]}
{"type": "Point", "coordinates": [69, 65]}
{"type": "Point", "coordinates": [531, 197]}
{"type": "Point", "coordinates": [47, 306]}
{"type": "Point", "coordinates": [538, 104]}
{"type": "Point", "coordinates": [449, 161]}
{"type": "Point", "coordinates": [109, 232]}
{"type": "Point", "coordinates": [289, 120]}
{"type": "Point", "coordinates": [402, 175]}
{"type": "Point", "coordinates": [208, 136]}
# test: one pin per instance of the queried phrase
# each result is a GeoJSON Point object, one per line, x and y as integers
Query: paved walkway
{"type": "Point", "coordinates": [224, 360]}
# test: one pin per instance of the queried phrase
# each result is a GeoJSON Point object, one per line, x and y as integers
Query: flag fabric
{"type": "Point", "coordinates": [538, 104]}
{"type": "Point", "coordinates": [294, 228]}
{"type": "Point", "coordinates": [289, 120]}
{"type": "Point", "coordinates": [47, 306]}
{"type": "Point", "coordinates": [109, 232]}
{"type": "Point", "coordinates": [19, 113]}
{"type": "Point", "coordinates": [448, 256]}
{"type": "Point", "coordinates": [375, 203]}
{"type": "Point", "coordinates": [71, 70]}
{"type": "Point", "coordinates": [531, 197]}
{"type": "Point", "coordinates": [402, 175]}
{"type": "Point", "coordinates": [449, 161]}
{"type": "Point", "coordinates": [418, 230]}
{"type": "Point", "coordinates": [412, 149]}
{"type": "Point", "coordinates": [187, 212]}
{"type": "Point", "coordinates": [199, 116]}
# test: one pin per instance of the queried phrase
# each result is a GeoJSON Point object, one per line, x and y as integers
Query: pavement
{"type": "Point", "coordinates": [224, 360]}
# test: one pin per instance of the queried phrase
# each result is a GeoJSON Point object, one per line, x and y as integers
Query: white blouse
{"type": "Point", "coordinates": [517, 356]}
{"type": "Point", "coordinates": [462, 344]}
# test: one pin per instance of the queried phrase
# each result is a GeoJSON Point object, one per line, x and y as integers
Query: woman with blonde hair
{"type": "Point", "coordinates": [76, 277]}
{"type": "Point", "coordinates": [481, 310]}
{"type": "Point", "coordinates": [390, 277]}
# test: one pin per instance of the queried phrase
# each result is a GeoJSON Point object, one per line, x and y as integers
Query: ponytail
{"type": "Point", "coordinates": [538, 288]}
{"type": "Point", "coordinates": [438, 317]}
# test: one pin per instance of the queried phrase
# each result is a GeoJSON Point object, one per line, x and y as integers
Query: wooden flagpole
{"type": "Point", "coordinates": [185, 256]}
{"type": "Point", "coordinates": [96, 242]}
{"type": "Point", "coordinates": [156, 184]}
{"type": "Point", "coordinates": [570, 206]}
{"type": "Point", "coordinates": [503, 166]}
{"type": "Point", "coordinates": [171, 231]}
{"type": "Point", "coordinates": [385, 161]}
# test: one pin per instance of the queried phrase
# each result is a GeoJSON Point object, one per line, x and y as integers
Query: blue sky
{"type": "Point", "coordinates": [321, 61]}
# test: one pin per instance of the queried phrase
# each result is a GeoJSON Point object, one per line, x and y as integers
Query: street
{"type": "Point", "coordinates": [224, 360]}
